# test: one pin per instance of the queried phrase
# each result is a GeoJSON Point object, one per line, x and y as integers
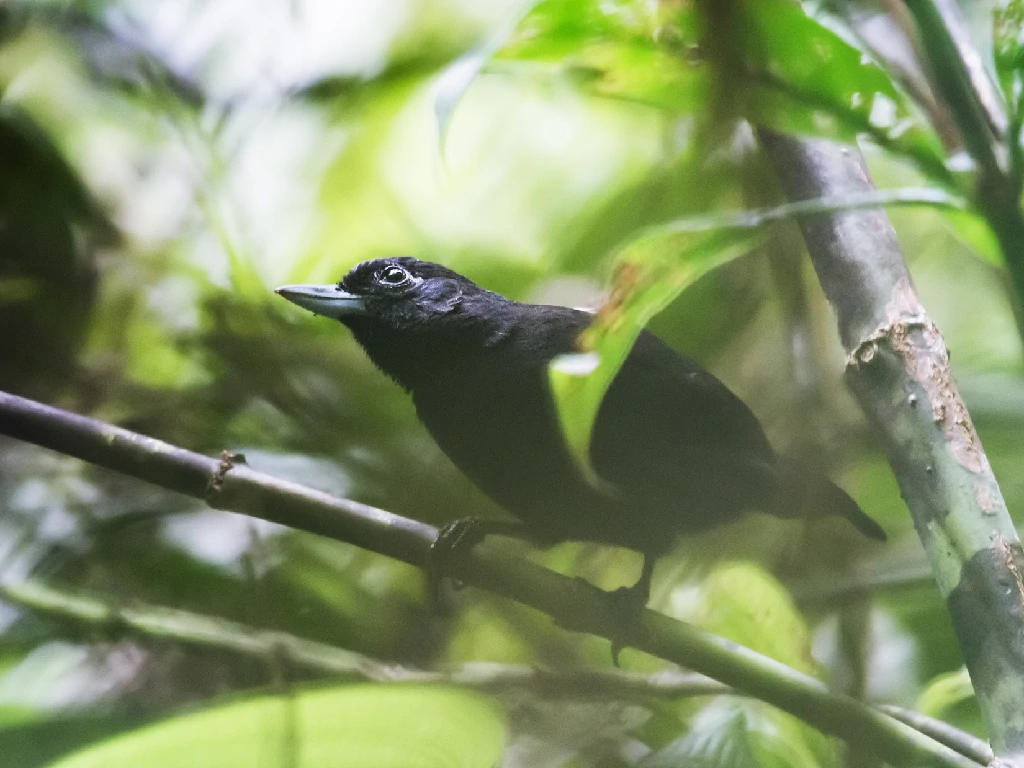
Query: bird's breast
{"type": "Point", "coordinates": [498, 426]}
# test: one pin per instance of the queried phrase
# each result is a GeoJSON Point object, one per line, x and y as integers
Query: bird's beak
{"type": "Point", "coordinates": [326, 300]}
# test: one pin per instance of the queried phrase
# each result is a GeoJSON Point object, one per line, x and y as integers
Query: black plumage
{"type": "Point", "coordinates": [677, 451]}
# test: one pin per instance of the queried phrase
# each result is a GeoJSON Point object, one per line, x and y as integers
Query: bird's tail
{"type": "Point", "coordinates": [833, 500]}
{"type": "Point", "coordinates": [819, 496]}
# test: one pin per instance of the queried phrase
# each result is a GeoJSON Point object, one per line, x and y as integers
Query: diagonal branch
{"type": "Point", "coordinates": [230, 485]}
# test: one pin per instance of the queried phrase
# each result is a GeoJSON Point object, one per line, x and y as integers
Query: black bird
{"type": "Point", "coordinates": [676, 450]}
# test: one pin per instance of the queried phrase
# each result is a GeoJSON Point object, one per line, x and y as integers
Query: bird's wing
{"type": "Point", "coordinates": [666, 423]}
{"type": "Point", "coordinates": [660, 401]}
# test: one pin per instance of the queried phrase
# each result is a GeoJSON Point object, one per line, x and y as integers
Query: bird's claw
{"type": "Point", "coordinates": [458, 535]}
{"type": "Point", "coordinates": [622, 611]}
{"type": "Point", "coordinates": [466, 532]}
{"type": "Point", "coordinates": [628, 604]}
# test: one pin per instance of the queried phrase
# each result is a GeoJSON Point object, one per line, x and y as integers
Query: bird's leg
{"type": "Point", "coordinates": [461, 535]}
{"type": "Point", "coordinates": [630, 602]}
{"type": "Point", "coordinates": [641, 591]}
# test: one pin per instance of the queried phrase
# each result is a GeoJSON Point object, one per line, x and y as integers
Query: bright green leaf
{"type": "Point", "coordinates": [746, 604]}
{"type": "Point", "coordinates": [1008, 51]}
{"type": "Point", "coordinates": [950, 698]}
{"type": "Point", "coordinates": [649, 275]}
{"type": "Point", "coordinates": [650, 272]}
{"type": "Point", "coordinates": [362, 726]}
{"type": "Point", "coordinates": [460, 74]}
{"type": "Point", "coordinates": [944, 692]}
{"type": "Point", "coordinates": [16, 714]}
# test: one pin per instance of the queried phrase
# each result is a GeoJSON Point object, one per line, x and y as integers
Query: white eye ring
{"type": "Point", "coordinates": [393, 275]}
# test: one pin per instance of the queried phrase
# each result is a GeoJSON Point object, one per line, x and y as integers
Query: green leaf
{"type": "Point", "coordinates": [16, 714]}
{"type": "Point", "coordinates": [38, 739]}
{"type": "Point", "coordinates": [722, 743]}
{"type": "Point", "coordinates": [1008, 52]}
{"type": "Point", "coordinates": [650, 272]}
{"type": "Point", "coordinates": [363, 726]}
{"type": "Point", "coordinates": [945, 692]}
{"type": "Point", "coordinates": [636, 71]}
{"type": "Point", "coordinates": [950, 698]}
{"type": "Point", "coordinates": [456, 78]}
{"type": "Point", "coordinates": [745, 604]}
{"type": "Point", "coordinates": [733, 733]}
{"type": "Point", "coordinates": [777, 68]}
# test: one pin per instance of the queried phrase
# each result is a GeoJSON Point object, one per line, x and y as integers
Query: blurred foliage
{"type": "Point", "coordinates": [363, 726]}
{"type": "Point", "coordinates": [164, 166]}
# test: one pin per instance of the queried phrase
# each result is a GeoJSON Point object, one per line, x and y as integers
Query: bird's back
{"type": "Point", "coordinates": [678, 449]}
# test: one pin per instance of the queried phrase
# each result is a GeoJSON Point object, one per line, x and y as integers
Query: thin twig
{"type": "Point", "coordinates": [954, 738]}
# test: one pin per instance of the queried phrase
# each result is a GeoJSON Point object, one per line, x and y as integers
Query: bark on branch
{"type": "Point", "coordinates": [898, 368]}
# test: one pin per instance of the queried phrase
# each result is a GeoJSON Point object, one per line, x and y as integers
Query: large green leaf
{"type": "Point", "coordinates": [650, 272]}
{"type": "Point", "coordinates": [31, 738]}
{"type": "Point", "coordinates": [363, 726]}
{"type": "Point", "coordinates": [747, 605]}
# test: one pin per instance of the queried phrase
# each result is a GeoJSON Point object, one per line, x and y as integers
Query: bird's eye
{"type": "Point", "coordinates": [392, 275]}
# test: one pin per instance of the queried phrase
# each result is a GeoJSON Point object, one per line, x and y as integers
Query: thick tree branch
{"type": "Point", "coordinates": [573, 603]}
{"type": "Point", "coordinates": [899, 371]}
{"type": "Point", "coordinates": [187, 627]}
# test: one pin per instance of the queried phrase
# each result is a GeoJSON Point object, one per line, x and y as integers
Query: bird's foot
{"type": "Point", "coordinates": [620, 611]}
{"type": "Point", "coordinates": [628, 607]}
{"type": "Point", "coordinates": [628, 604]}
{"type": "Point", "coordinates": [456, 538]}
{"type": "Point", "coordinates": [458, 535]}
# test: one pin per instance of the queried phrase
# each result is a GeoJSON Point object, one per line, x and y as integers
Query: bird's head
{"type": "Point", "coordinates": [412, 317]}
{"type": "Point", "coordinates": [398, 293]}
